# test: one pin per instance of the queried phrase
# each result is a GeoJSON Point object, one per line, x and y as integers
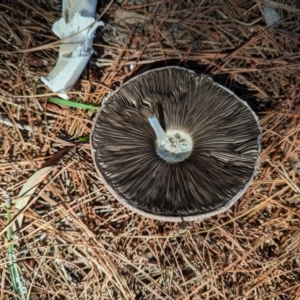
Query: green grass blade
{"type": "Point", "coordinates": [12, 265]}
{"type": "Point", "coordinates": [72, 104]}
{"type": "Point", "coordinates": [84, 139]}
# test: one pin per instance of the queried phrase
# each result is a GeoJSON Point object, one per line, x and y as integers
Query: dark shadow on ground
{"type": "Point", "coordinates": [241, 91]}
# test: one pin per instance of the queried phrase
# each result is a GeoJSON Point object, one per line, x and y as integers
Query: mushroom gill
{"type": "Point", "coordinates": [218, 132]}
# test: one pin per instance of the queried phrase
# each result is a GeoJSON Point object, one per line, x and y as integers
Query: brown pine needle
{"type": "Point", "coordinates": [77, 241]}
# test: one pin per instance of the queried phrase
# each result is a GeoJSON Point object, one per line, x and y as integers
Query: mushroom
{"type": "Point", "coordinates": [175, 146]}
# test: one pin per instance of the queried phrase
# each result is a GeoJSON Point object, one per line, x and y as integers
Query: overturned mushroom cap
{"type": "Point", "coordinates": [175, 146]}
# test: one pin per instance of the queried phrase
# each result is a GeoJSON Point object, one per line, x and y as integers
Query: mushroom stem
{"type": "Point", "coordinates": [172, 146]}
{"type": "Point", "coordinates": [160, 133]}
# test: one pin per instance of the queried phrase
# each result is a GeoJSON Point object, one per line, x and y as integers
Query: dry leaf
{"type": "Point", "coordinates": [28, 190]}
